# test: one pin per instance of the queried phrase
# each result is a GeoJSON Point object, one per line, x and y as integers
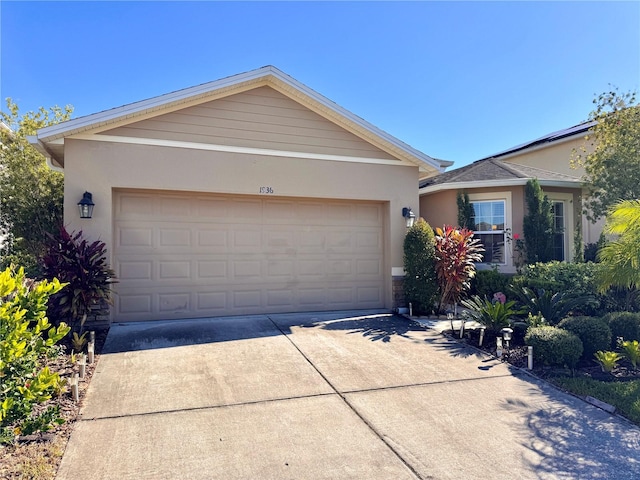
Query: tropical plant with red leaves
{"type": "Point", "coordinates": [83, 266]}
{"type": "Point", "coordinates": [457, 252]}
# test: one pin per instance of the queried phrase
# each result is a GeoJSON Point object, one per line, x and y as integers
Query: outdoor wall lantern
{"type": "Point", "coordinates": [85, 206]}
{"type": "Point", "coordinates": [409, 216]}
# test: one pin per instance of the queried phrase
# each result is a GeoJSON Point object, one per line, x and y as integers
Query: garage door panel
{"type": "Point", "coordinates": [193, 255]}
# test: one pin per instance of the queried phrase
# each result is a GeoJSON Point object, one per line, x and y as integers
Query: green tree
{"type": "Point", "coordinates": [465, 211]}
{"type": "Point", "coordinates": [31, 194]}
{"type": "Point", "coordinates": [537, 224]}
{"type": "Point", "coordinates": [610, 154]}
{"type": "Point", "coordinates": [420, 282]}
{"type": "Point", "coordinates": [620, 258]}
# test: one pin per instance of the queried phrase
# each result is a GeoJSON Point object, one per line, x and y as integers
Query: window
{"type": "Point", "coordinates": [559, 227]}
{"type": "Point", "coordinates": [489, 227]}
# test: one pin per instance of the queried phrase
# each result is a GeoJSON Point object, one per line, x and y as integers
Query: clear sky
{"type": "Point", "coordinates": [456, 80]}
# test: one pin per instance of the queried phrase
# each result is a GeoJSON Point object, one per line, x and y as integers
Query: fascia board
{"type": "Point", "coordinates": [498, 183]}
{"type": "Point", "coordinates": [132, 110]}
{"type": "Point", "coordinates": [270, 75]}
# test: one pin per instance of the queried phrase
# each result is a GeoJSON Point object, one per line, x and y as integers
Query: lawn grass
{"type": "Point", "coordinates": [625, 396]}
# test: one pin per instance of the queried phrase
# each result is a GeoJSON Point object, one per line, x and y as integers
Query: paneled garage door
{"type": "Point", "coordinates": [181, 255]}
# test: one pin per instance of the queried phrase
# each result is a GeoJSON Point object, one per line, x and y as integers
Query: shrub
{"type": "Point", "coordinates": [554, 346]}
{"type": "Point", "coordinates": [552, 307]}
{"type": "Point", "coordinates": [537, 224]}
{"type": "Point", "coordinates": [592, 331]}
{"type": "Point", "coordinates": [493, 315]}
{"type": "Point", "coordinates": [573, 279]}
{"type": "Point", "coordinates": [608, 361]}
{"type": "Point", "coordinates": [488, 282]}
{"type": "Point", "coordinates": [420, 283]}
{"type": "Point", "coordinates": [456, 255]}
{"type": "Point", "coordinates": [83, 265]}
{"type": "Point", "coordinates": [26, 340]}
{"type": "Point", "coordinates": [623, 324]}
{"type": "Point", "coordinates": [631, 351]}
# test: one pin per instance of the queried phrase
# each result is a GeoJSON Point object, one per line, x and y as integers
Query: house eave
{"type": "Point", "coordinates": [429, 189]}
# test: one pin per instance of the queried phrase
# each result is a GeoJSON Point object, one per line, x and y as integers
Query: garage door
{"type": "Point", "coordinates": [181, 255]}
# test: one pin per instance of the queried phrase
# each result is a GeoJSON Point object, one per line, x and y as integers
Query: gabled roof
{"type": "Point", "coordinates": [579, 129]}
{"type": "Point", "coordinates": [491, 172]}
{"type": "Point", "coordinates": [50, 140]}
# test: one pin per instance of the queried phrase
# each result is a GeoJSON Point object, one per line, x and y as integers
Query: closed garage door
{"type": "Point", "coordinates": [181, 255]}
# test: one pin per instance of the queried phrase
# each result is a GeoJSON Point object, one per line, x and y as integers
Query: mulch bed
{"type": "Point", "coordinates": [517, 355]}
{"type": "Point", "coordinates": [38, 456]}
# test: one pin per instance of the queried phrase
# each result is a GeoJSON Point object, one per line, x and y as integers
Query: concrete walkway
{"type": "Point", "coordinates": [328, 396]}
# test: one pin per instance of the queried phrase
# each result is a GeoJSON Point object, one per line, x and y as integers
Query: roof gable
{"type": "Point", "coordinates": [50, 140]}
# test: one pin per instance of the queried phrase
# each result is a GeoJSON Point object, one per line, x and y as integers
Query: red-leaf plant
{"type": "Point", "coordinates": [83, 265]}
{"type": "Point", "coordinates": [456, 255]}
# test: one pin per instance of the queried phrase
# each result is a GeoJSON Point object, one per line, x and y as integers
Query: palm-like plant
{"type": "Point", "coordinates": [493, 315]}
{"type": "Point", "coordinates": [456, 255]}
{"type": "Point", "coordinates": [553, 307]}
{"type": "Point", "coordinates": [620, 258]}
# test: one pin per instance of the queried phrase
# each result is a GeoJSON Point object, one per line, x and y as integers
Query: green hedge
{"type": "Point", "coordinates": [554, 346]}
{"type": "Point", "coordinates": [623, 324]}
{"type": "Point", "coordinates": [488, 282]}
{"type": "Point", "coordinates": [592, 331]}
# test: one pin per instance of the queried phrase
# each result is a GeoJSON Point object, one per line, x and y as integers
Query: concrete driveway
{"type": "Point", "coordinates": [361, 395]}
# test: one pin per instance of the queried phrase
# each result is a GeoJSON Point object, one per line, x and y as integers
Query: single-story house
{"type": "Point", "coordinates": [496, 191]}
{"type": "Point", "coordinates": [250, 194]}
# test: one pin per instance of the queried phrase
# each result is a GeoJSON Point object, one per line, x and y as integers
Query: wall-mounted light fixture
{"type": "Point", "coordinates": [85, 206]}
{"type": "Point", "coordinates": [409, 216]}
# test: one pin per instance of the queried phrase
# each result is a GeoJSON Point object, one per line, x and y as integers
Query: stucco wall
{"type": "Point", "coordinates": [99, 167]}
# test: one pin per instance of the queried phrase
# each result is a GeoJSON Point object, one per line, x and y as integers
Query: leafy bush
{"type": "Point", "coordinates": [552, 307]}
{"type": "Point", "coordinates": [576, 280]}
{"type": "Point", "coordinates": [623, 324]}
{"type": "Point", "coordinates": [456, 255]}
{"type": "Point", "coordinates": [554, 346]}
{"type": "Point", "coordinates": [631, 351]}
{"type": "Point", "coordinates": [493, 315]}
{"type": "Point", "coordinates": [488, 282]}
{"type": "Point", "coordinates": [26, 339]}
{"type": "Point", "coordinates": [594, 333]}
{"type": "Point", "coordinates": [607, 360]}
{"type": "Point", "coordinates": [83, 265]}
{"type": "Point", "coordinates": [420, 283]}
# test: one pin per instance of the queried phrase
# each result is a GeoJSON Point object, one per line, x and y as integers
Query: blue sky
{"type": "Point", "coordinates": [456, 80]}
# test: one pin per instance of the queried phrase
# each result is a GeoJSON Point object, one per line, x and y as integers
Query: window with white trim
{"type": "Point", "coordinates": [559, 240]}
{"type": "Point", "coordinates": [489, 226]}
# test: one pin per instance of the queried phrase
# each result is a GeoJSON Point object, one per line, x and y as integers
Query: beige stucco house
{"type": "Point", "coordinates": [496, 190]}
{"type": "Point", "coordinates": [495, 186]}
{"type": "Point", "coordinates": [251, 194]}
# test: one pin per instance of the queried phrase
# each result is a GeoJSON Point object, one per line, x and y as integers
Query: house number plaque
{"type": "Point", "coordinates": [266, 190]}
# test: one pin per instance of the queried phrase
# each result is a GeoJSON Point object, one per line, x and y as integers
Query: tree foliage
{"type": "Point", "coordinates": [610, 154]}
{"type": "Point", "coordinates": [465, 211]}
{"type": "Point", "coordinates": [31, 194]}
{"type": "Point", "coordinates": [620, 258]}
{"type": "Point", "coordinates": [420, 283]}
{"type": "Point", "coordinates": [537, 224]}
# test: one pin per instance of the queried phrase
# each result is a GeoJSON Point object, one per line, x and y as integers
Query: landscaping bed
{"type": "Point", "coordinates": [38, 456]}
{"type": "Point", "coordinates": [619, 388]}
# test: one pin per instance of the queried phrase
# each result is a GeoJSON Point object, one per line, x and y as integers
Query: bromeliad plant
{"type": "Point", "coordinates": [494, 315]}
{"type": "Point", "coordinates": [26, 340]}
{"type": "Point", "coordinates": [456, 255]}
{"type": "Point", "coordinates": [608, 360]}
{"type": "Point", "coordinates": [83, 266]}
{"type": "Point", "coordinates": [631, 351]}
